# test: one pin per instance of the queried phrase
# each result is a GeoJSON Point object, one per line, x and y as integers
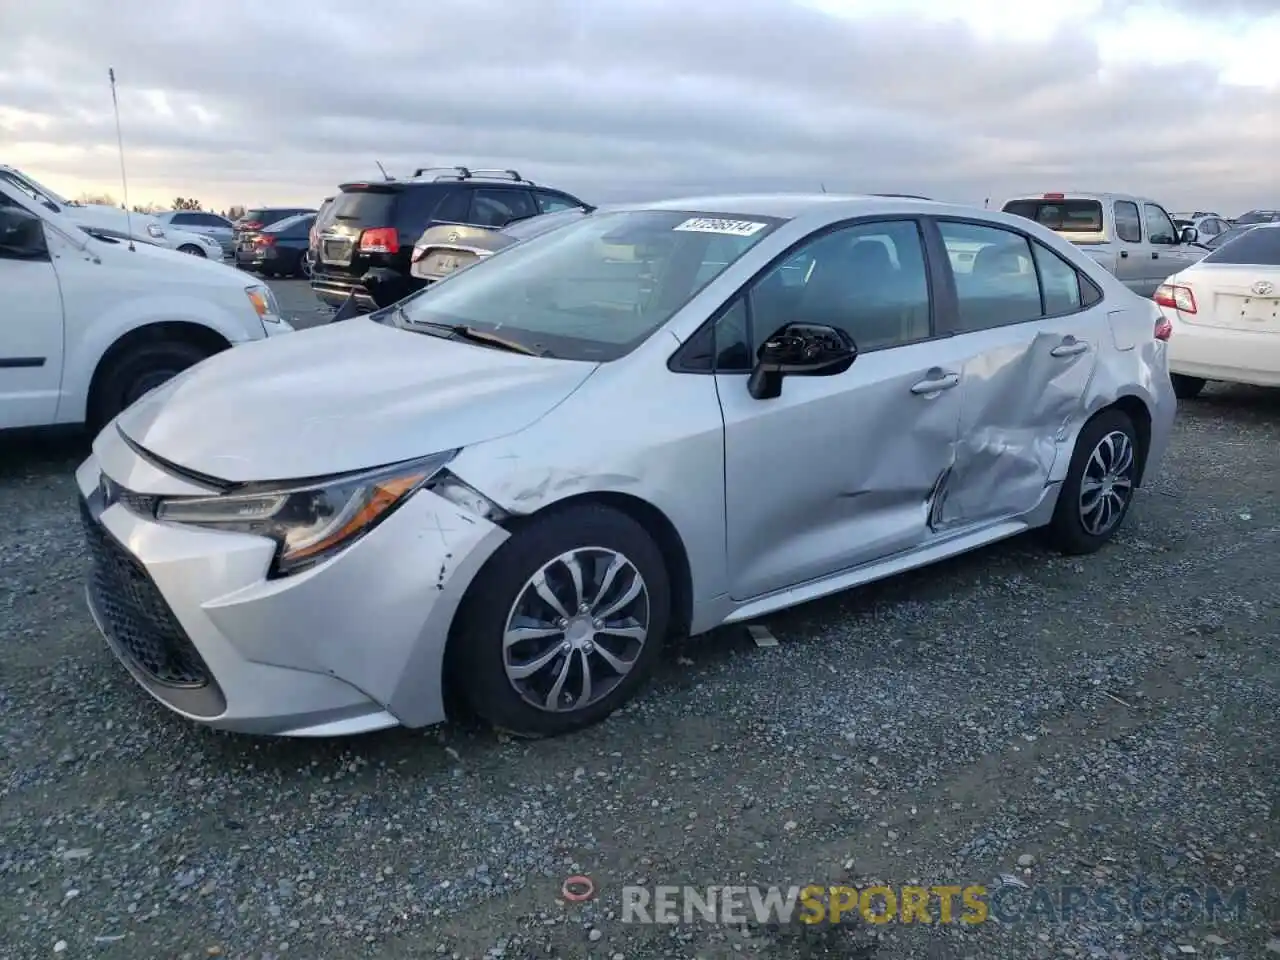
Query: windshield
{"type": "Point", "coordinates": [32, 189]}
{"type": "Point", "coordinates": [1258, 247]}
{"type": "Point", "coordinates": [591, 290]}
{"type": "Point", "coordinates": [1062, 216]}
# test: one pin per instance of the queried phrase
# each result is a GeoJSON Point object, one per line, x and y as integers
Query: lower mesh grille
{"type": "Point", "coordinates": [134, 615]}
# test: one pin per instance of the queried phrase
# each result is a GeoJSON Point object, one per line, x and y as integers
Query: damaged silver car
{"type": "Point", "coordinates": [507, 489]}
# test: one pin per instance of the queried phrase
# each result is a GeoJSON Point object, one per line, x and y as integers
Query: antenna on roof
{"type": "Point", "coordinates": [823, 187]}
{"type": "Point", "coordinates": [385, 175]}
{"type": "Point", "coordinates": [124, 180]}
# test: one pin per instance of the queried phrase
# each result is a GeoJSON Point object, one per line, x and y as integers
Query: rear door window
{"type": "Point", "coordinates": [497, 208]}
{"type": "Point", "coordinates": [455, 207]}
{"type": "Point", "coordinates": [551, 202]}
{"type": "Point", "coordinates": [1061, 216]}
{"type": "Point", "coordinates": [1257, 247]}
{"type": "Point", "coordinates": [1128, 222]}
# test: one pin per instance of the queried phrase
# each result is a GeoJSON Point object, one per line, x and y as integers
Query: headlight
{"type": "Point", "coordinates": [264, 302]}
{"type": "Point", "coordinates": [311, 522]}
{"type": "Point", "coordinates": [155, 230]}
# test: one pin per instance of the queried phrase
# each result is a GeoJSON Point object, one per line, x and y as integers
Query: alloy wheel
{"type": "Point", "coordinates": [1107, 483]}
{"type": "Point", "coordinates": [576, 629]}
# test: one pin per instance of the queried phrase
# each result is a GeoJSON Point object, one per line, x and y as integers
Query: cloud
{"type": "Point", "coordinates": [243, 102]}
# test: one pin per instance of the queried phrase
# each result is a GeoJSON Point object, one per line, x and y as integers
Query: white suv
{"type": "Point", "coordinates": [92, 323]}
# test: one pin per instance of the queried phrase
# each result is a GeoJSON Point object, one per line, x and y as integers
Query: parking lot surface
{"type": "Point", "coordinates": [1099, 721]}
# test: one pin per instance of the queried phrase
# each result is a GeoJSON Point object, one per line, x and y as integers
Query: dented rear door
{"type": "Point", "coordinates": [1024, 383]}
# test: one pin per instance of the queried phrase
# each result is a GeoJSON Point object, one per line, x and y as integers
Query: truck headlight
{"type": "Point", "coordinates": [264, 302]}
{"type": "Point", "coordinates": [309, 522]}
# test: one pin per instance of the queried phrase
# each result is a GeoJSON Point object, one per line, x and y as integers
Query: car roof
{"type": "Point", "coordinates": [788, 206]}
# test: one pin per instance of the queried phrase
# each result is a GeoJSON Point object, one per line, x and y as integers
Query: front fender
{"type": "Point", "coordinates": [89, 340]}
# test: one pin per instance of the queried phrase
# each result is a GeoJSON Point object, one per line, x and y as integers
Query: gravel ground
{"type": "Point", "coordinates": [1105, 720]}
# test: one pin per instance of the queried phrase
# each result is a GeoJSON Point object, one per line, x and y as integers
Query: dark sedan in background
{"type": "Point", "coordinates": [280, 250]}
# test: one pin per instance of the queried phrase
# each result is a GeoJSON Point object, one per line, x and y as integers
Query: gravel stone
{"type": "Point", "coordinates": [1118, 714]}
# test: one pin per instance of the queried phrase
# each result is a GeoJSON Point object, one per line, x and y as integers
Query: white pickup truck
{"type": "Point", "coordinates": [91, 323]}
{"type": "Point", "coordinates": [1134, 238]}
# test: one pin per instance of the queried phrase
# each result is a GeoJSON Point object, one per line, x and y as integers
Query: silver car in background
{"type": "Point", "coordinates": [203, 223]}
{"type": "Point", "coordinates": [659, 419]}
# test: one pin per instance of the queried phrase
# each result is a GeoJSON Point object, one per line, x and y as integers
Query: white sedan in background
{"type": "Point", "coordinates": [1224, 314]}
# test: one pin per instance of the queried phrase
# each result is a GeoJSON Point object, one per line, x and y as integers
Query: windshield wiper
{"type": "Point", "coordinates": [460, 331]}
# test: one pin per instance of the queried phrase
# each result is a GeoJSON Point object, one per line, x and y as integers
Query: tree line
{"type": "Point", "coordinates": [233, 212]}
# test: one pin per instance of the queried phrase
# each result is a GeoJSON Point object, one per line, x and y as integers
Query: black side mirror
{"type": "Point", "coordinates": [800, 349]}
{"type": "Point", "coordinates": [22, 234]}
{"type": "Point", "coordinates": [1190, 235]}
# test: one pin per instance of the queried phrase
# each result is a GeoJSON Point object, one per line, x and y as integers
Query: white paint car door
{"type": "Point", "coordinates": [30, 322]}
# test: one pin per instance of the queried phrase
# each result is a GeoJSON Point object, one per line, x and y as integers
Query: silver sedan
{"type": "Point", "coordinates": [661, 418]}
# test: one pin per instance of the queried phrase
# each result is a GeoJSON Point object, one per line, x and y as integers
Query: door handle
{"type": "Point", "coordinates": [1124, 254]}
{"type": "Point", "coordinates": [1069, 348]}
{"type": "Point", "coordinates": [1155, 255]}
{"type": "Point", "coordinates": [937, 381]}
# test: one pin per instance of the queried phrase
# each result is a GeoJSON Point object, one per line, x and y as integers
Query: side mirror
{"type": "Point", "coordinates": [799, 349]}
{"type": "Point", "coordinates": [1190, 235]}
{"type": "Point", "coordinates": [22, 234]}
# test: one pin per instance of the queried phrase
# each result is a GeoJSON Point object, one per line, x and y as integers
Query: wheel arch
{"type": "Point", "coordinates": [1139, 414]}
{"type": "Point", "coordinates": [168, 331]}
{"type": "Point", "coordinates": [656, 523]}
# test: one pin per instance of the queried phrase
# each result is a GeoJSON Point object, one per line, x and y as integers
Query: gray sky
{"type": "Point", "coordinates": [233, 101]}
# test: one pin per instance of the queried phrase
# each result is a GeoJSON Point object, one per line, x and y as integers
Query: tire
{"type": "Point", "coordinates": [1075, 529]}
{"type": "Point", "coordinates": [141, 369]}
{"type": "Point", "coordinates": [505, 581]}
{"type": "Point", "coordinates": [304, 266]}
{"type": "Point", "coordinates": [1186, 388]}
{"type": "Point", "coordinates": [192, 249]}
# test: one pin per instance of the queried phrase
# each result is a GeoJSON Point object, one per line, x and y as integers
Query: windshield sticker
{"type": "Point", "coordinates": [732, 228]}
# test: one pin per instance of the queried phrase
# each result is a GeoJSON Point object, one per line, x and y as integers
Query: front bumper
{"type": "Point", "coordinates": [353, 645]}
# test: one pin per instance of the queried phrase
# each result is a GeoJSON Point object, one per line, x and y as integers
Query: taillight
{"type": "Point", "coordinates": [1164, 329]}
{"type": "Point", "coordinates": [1179, 298]}
{"type": "Point", "coordinates": [1054, 196]}
{"type": "Point", "coordinates": [251, 225]}
{"type": "Point", "coordinates": [265, 241]}
{"type": "Point", "coordinates": [380, 240]}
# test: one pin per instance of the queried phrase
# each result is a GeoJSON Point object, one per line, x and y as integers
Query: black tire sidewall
{"type": "Point", "coordinates": [141, 361]}
{"type": "Point", "coordinates": [1067, 529]}
{"type": "Point", "coordinates": [478, 630]}
{"type": "Point", "coordinates": [1187, 388]}
{"type": "Point", "coordinates": [191, 250]}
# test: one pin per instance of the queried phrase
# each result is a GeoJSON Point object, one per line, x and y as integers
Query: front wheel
{"type": "Point", "coordinates": [1186, 388]}
{"type": "Point", "coordinates": [564, 622]}
{"type": "Point", "coordinates": [137, 373]}
{"type": "Point", "coordinates": [1098, 489]}
{"type": "Point", "coordinates": [192, 249]}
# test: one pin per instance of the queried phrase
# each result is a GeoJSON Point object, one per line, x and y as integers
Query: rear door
{"type": "Point", "coordinates": [1028, 328]}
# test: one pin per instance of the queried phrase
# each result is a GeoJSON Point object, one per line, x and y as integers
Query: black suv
{"type": "Point", "coordinates": [366, 247]}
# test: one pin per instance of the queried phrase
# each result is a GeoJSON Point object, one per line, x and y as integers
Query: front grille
{"type": "Point", "coordinates": [134, 615]}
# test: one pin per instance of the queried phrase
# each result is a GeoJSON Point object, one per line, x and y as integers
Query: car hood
{"type": "Point", "coordinates": [348, 396]}
{"type": "Point", "coordinates": [146, 255]}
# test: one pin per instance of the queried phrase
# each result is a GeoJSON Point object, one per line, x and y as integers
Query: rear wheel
{"type": "Point", "coordinates": [137, 373]}
{"type": "Point", "coordinates": [1186, 388]}
{"type": "Point", "coordinates": [563, 623]}
{"type": "Point", "coordinates": [192, 249]}
{"type": "Point", "coordinates": [1099, 485]}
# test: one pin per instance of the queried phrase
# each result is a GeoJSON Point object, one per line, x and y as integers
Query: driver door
{"type": "Point", "coordinates": [839, 470]}
{"type": "Point", "coordinates": [30, 322]}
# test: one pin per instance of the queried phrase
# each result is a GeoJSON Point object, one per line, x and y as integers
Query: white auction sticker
{"type": "Point", "coordinates": [733, 228]}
